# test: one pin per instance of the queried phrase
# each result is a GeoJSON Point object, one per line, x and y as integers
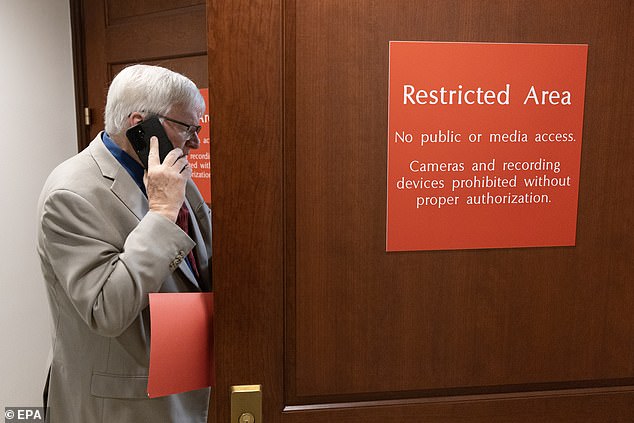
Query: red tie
{"type": "Point", "coordinates": [183, 221]}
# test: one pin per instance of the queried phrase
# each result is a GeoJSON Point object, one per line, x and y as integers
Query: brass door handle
{"type": "Point", "coordinates": [246, 404]}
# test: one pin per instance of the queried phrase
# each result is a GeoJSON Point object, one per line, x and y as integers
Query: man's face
{"type": "Point", "coordinates": [177, 132]}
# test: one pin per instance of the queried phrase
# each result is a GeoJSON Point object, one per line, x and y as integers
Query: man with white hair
{"type": "Point", "coordinates": [111, 232]}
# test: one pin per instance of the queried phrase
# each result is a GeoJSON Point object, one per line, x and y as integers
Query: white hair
{"type": "Point", "coordinates": [148, 89]}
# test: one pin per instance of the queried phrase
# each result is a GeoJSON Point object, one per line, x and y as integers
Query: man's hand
{"type": "Point", "coordinates": [165, 182]}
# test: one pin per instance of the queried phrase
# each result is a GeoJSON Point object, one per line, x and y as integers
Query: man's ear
{"type": "Point", "coordinates": [134, 118]}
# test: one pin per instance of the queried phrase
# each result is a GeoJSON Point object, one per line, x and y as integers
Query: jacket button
{"type": "Point", "coordinates": [177, 260]}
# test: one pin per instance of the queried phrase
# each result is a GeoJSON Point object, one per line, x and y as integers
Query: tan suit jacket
{"type": "Point", "coordinates": [101, 253]}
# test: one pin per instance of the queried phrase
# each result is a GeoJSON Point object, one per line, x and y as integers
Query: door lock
{"type": "Point", "coordinates": [246, 418]}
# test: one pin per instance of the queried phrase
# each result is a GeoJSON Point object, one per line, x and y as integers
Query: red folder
{"type": "Point", "coordinates": [181, 347]}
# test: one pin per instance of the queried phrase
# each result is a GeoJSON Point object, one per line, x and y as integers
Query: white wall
{"type": "Point", "coordinates": [37, 131]}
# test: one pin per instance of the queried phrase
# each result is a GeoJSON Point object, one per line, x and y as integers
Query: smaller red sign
{"type": "Point", "coordinates": [199, 159]}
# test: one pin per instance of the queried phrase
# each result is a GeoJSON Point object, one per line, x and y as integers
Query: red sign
{"type": "Point", "coordinates": [484, 145]}
{"type": "Point", "coordinates": [199, 159]}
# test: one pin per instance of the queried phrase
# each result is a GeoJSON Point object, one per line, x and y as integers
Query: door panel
{"type": "Point", "coordinates": [119, 33]}
{"type": "Point", "coordinates": [122, 9]}
{"type": "Point", "coordinates": [195, 67]}
{"type": "Point", "coordinates": [428, 321]}
{"type": "Point", "coordinates": [310, 305]}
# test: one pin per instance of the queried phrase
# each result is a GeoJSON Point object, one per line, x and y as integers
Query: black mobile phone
{"type": "Point", "coordinates": [140, 134]}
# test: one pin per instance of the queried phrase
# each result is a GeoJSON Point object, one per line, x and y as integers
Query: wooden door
{"type": "Point", "coordinates": [310, 305]}
{"type": "Point", "coordinates": [112, 34]}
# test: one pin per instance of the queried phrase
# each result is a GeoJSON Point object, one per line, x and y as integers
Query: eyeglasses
{"type": "Point", "coordinates": [191, 129]}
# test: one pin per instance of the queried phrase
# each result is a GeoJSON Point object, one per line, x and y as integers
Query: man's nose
{"type": "Point", "coordinates": [193, 142]}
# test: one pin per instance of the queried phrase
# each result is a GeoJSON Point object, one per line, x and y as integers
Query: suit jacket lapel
{"type": "Point", "coordinates": [187, 273]}
{"type": "Point", "coordinates": [123, 186]}
{"type": "Point", "coordinates": [183, 267]}
{"type": "Point", "coordinates": [200, 251]}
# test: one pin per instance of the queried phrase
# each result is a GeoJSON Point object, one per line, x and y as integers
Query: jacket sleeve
{"type": "Point", "coordinates": [107, 283]}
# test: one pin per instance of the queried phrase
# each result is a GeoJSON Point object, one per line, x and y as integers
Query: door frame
{"type": "Point", "coordinates": [79, 70]}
